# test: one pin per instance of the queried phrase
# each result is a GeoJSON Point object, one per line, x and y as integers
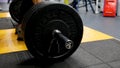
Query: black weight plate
{"type": "Point", "coordinates": [39, 23]}
{"type": "Point", "coordinates": [14, 9]}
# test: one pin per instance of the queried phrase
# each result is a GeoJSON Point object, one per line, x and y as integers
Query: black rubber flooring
{"type": "Point", "coordinates": [5, 23]}
{"type": "Point", "coordinates": [97, 54]}
{"type": "Point", "coordinates": [4, 7]}
{"type": "Point", "coordinates": [107, 25]}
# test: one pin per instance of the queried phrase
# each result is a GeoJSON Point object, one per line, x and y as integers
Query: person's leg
{"type": "Point", "coordinates": [19, 32]}
{"type": "Point", "coordinates": [74, 4]}
{"type": "Point", "coordinates": [36, 1]}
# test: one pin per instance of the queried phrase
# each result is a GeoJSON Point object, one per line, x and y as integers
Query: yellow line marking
{"type": "Point", "coordinates": [4, 14]}
{"type": "Point", "coordinates": [8, 42]}
{"type": "Point", "coordinates": [93, 35]}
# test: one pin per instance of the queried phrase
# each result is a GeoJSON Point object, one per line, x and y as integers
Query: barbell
{"type": "Point", "coordinates": [51, 31]}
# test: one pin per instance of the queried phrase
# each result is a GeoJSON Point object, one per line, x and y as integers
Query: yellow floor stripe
{"type": "Point", "coordinates": [93, 35]}
{"type": "Point", "coordinates": [4, 14]}
{"type": "Point", "coordinates": [8, 42]}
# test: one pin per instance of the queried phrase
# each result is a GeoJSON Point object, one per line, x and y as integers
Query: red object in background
{"type": "Point", "coordinates": [110, 7]}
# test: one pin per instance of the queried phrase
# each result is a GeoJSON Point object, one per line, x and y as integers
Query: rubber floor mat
{"type": "Point", "coordinates": [4, 7]}
{"type": "Point", "coordinates": [89, 54]}
{"type": "Point", "coordinates": [22, 59]}
{"type": "Point", "coordinates": [6, 23]}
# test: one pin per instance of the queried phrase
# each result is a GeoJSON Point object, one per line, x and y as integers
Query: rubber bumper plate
{"type": "Point", "coordinates": [40, 22]}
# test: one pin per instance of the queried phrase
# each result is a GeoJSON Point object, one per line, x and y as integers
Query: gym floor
{"type": "Point", "coordinates": [100, 47]}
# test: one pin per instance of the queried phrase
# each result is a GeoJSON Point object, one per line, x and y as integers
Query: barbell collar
{"type": "Point", "coordinates": [62, 38]}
